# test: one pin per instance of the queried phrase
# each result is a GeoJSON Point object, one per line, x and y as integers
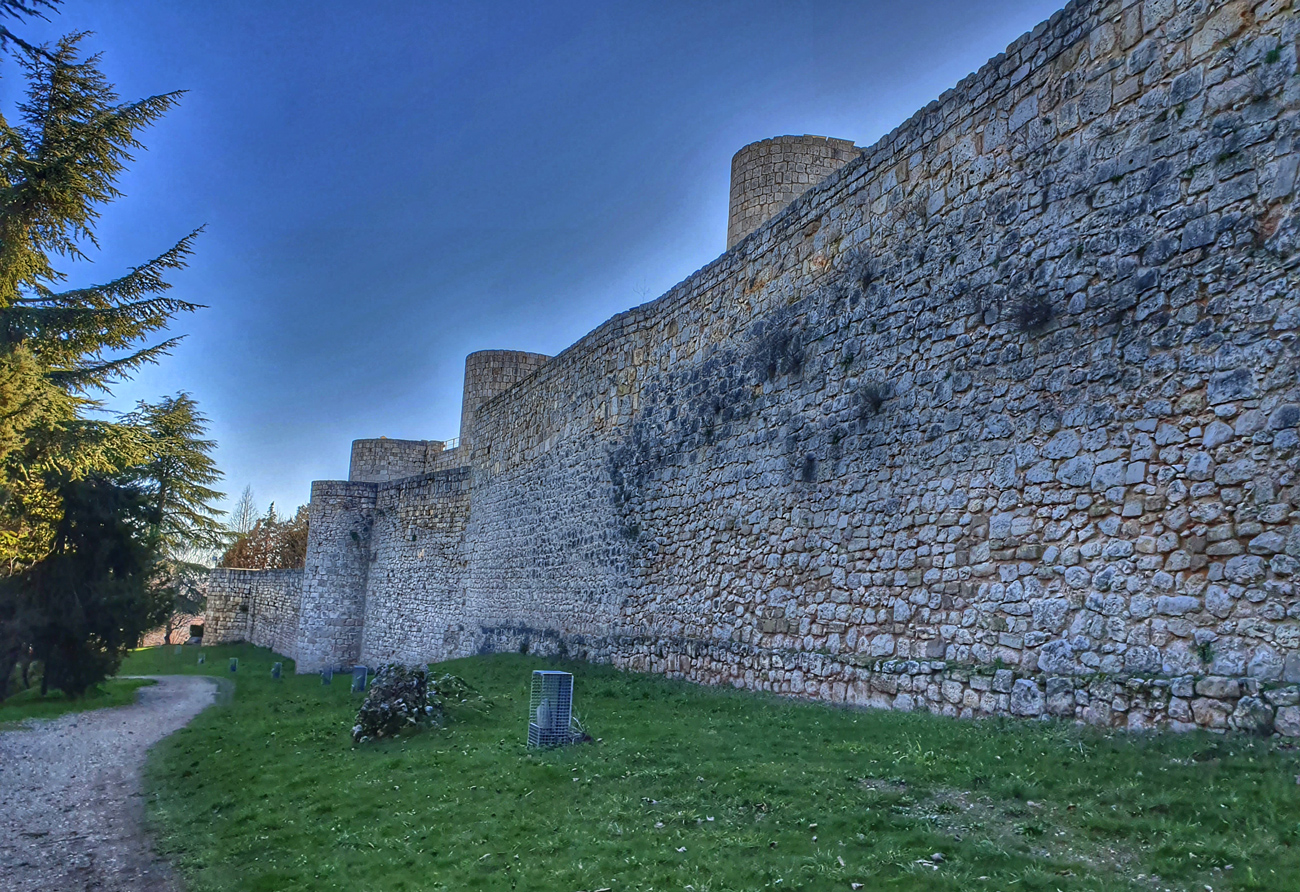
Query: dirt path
{"type": "Point", "coordinates": [71, 809]}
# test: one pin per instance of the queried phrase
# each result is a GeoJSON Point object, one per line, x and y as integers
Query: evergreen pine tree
{"type": "Point", "coordinates": [175, 481]}
{"type": "Point", "coordinates": [177, 474]}
{"type": "Point", "coordinates": [59, 349]}
{"type": "Point", "coordinates": [87, 506]}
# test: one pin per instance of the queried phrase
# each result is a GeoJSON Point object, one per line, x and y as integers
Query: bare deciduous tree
{"type": "Point", "coordinates": [243, 516]}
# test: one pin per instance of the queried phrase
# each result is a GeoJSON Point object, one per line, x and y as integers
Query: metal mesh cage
{"type": "Point", "coordinates": [550, 709]}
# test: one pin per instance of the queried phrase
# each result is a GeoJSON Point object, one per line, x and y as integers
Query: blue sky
{"type": "Point", "coordinates": [389, 186]}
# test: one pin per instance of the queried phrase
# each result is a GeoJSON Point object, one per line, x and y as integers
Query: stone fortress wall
{"type": "Point", "coordinates": [999, 417]}
{"type": "Point", "coordinates": [254, 605]}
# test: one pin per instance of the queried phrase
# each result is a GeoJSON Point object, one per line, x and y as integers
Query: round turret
{"type": "Point", "coordinates": [769, 174]}
{"type": "Point", "coordinates": [488, 373]}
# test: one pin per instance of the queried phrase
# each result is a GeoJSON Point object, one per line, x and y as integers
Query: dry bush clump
{"type": "Point", "coordinates": [402, 697]}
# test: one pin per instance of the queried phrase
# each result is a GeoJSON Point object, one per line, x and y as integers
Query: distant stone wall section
{"type": "Point", "coordinates": [384, 460]}
{"type": "Point", "coordinates": [769, 174]}
{"type": "Point", "coordinates": [488, 373]}
{"type": "Point", "coordinates": [258, 606]}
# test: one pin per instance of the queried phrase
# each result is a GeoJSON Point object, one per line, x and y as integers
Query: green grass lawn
{"type": "Point", "coordinates": [700, 789]}
{"type": "Point", "coordinates": [30, 704]}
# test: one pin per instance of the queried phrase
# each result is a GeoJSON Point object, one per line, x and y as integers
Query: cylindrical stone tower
{"type": "Point", "coordinates": [769, 174]}
{"type": "Point", "coordinates": [332, 611]}
{"type": "Point", "coordinates": [488, 373]}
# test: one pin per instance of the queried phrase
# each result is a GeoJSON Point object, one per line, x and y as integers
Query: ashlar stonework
{"type": "Point", "coordinates": [999, 417]}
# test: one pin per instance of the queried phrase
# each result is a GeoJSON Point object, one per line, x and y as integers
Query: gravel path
{"type": "Point", "coordinates": [71, 809]}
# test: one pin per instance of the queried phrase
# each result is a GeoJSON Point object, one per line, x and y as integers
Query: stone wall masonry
{"type": "Point", "coordinates": [258, 606]}
{"type": "Point", "coordinates": [1018, 389]}
{"type": "Point", "coordinates": [415, 593]}
{"type": "Point", "coordinates": [447, 460]}
{"type": "Point", "coordinates": [1002, 417]}
{"type": "Point", "coordinates": [1135, 703]}
{"type": "Point", "coordinates": [384, 460]}
{"type": "Point", "coordinates": [334, 577]}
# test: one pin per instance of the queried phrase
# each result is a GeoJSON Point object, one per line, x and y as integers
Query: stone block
{"type": "Point", "coordinates": [1002, 680]}
{"type": "Point", "coordinates": [1287, 721]}
{"type": "Point", "coordinates": [1218, 687]}
{"type": "Point", "coordinates": [1252, 716]}
{"type": "Point", "coordinates": [1026, 698]}
{"type": "Point", "coordinates": [1177, 605]}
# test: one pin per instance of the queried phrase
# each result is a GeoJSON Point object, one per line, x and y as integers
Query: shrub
{"type": "Point", "coordinates": [452, 690]}
{"type": "Point", "coordinates": [401, 698]}
{"type": "Point", "coordinates": [778, 352]}
{"type": "Point", "coordinates": [871, 395]}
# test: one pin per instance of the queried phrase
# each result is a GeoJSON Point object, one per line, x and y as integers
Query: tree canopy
{"type": "Point", "coordinates": [60, 349]}
{"type": "Point", "coordinates": [100, 517]}
{"type": "Point", "coordinates": [272, 543]}
{"type": "Point", "coordinates": [175, 482]}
